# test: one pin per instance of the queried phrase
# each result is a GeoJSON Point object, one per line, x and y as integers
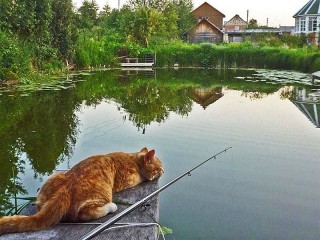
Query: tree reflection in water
{"type": "Point", "coordinates": [41, 129]}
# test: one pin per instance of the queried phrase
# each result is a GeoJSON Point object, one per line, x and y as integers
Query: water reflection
{"type": "Point", "coordinates": [40, 129]}
{"type": "Point", "coordinates": [308, 103]}
{"type": "Point", "coordinates": [205, 96]}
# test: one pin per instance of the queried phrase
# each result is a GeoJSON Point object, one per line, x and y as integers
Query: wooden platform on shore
{"type": "Point", "coordinates": [137, 64]}
{"type": "Point", "coordinates": [148, 61]}
{"type": "Point", "coordinates": [122, 199]}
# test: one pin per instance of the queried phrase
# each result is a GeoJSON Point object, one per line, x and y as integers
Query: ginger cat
{"type": "Point", "coordinates": [85, 191]}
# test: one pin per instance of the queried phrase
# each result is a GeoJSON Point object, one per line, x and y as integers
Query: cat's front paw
{"type": "Point", "coordinates": [111, 207]}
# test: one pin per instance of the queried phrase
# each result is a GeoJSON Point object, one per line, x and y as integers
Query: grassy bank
{"type": "Point", "coordinates": [16, 62]}
{"type": "Point", "coordinates": [244, 55]}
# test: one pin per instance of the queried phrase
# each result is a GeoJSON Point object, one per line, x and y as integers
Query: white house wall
{"type": "Point", "coordinates": [307, 24]}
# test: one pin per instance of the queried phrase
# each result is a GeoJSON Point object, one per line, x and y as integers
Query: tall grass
{"type": "Point", "coordinates": [244, 55]}
{"type": "Point", "coordinates": [94, 49]}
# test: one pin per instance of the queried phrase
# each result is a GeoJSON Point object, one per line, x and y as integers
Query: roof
{"type": "Point", "coordinates": [236, 19]}
{"type": "Point", "coordinates": [256, 30]}
{"type": "Point", "coordinates": [205, 96]}
{"type": "Point", "coordinates": [310, 110]}
{"type": "Point", "coordinates": [203, 20]}
{"type": "Point", "coordinates": [311, 8]}
{"type": "Point", "coordinates": [205, 3]}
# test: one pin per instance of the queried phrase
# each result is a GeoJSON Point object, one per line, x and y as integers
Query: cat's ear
{"type": "Point", "coordinates": [144, 150]}
{"type": "Point", "coordinates": [149, 157]}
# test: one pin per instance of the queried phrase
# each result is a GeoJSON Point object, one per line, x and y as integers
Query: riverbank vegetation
{"type": "Point", "coordinates": [244, 55]}
{"type": "Point", "coordinates": [41, 37]}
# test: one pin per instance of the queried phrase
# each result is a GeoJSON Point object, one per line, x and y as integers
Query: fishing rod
{"type": "Point", "coordinates": [128, 210]}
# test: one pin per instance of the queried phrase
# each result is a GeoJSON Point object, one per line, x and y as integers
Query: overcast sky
{"type": "Point", "coordinates": [279, 12]}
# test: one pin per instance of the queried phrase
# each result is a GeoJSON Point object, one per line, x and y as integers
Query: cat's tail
{"type": "Point", "coordinates": [50, 214]}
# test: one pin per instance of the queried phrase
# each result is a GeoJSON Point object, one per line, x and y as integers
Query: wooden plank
{"type": "Point", "coordinates": [131, 60]}
{"type": "Point", "coordinates": [137, 64]}
{"type": "Point", "coordinates": [74, 231]}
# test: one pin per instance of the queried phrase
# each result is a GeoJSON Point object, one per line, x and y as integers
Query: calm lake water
{"type": "Point", "coordinates": [266, 187]}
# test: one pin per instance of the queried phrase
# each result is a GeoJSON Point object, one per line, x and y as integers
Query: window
{"type": "Point", "coordinates": [236, 28]}
{"type": "Point", "coordinates": [303, 24]}
{"type": "Point", "coordinates": [312, 27]}
{"type": "Point", "coordinates": [297, 25]}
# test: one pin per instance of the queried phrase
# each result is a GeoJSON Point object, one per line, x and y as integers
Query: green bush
{"type": "Point", "coordinates": [244, 55]}
{"type": "Point", "coordinates": [14, 57]}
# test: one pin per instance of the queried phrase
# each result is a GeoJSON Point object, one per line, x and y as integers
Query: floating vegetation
{"type": "Point", "coordinates": [54, 84]}
{"type": "Point", "coordinates": [279, 77]}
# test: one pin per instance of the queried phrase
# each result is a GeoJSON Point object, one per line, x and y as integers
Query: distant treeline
{"type": "Point", "coordinates": [47, 35]}
{"type": "Point", "coordinates": [51, 36]}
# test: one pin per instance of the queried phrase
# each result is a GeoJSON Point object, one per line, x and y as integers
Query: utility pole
{"type": "Point", "coordinates": [267, 22]}
{"type": "Point", "coordinates": [119, 5]}
{"type": "Point", "coordinates": [248, 16]}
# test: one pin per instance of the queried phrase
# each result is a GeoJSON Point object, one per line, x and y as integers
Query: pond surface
{"type": "Point", "coordinates": [266, 187]}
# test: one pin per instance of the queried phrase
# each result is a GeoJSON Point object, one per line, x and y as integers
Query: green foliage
{"type": "Point", "coordinates": [150, 22]}
{"type": "Point", "coordinates": [158, 5]}
{"type": "Point", "coordinates": [16, 210]}
{"type": "Point", "coordinates": [48, 34]}
{"type": "Point", "coordinates": [246, 55]}
{"type": "Point", "coordinates": [164, 230]}
{"type": "Point", "coordinates": [26, 122]}
{"type": "Point", "coordinates": [88, 15]}
{"type": "Point", "coordinates": [95, 51]}
{"type": "Point", "coordinates": [63, 29]}
{"type": "Point", "coordinates": [40, 27]}
{"type": "Point", "coordinates": [14, 58]}
{"type": "Point", "coordinates": [185, 18]}
{"type": "Point", "coordinates": [253, 23]}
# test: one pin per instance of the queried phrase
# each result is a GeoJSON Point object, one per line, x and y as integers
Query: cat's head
{"type": "Point", "coordinates": [151, 166]}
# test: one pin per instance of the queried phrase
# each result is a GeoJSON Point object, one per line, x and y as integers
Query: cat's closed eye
{"type": "Point", "coordinates": [159, 172]}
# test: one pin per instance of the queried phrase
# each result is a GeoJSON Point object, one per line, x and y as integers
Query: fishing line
{"type": "Point", "coordinates": [95, 128]}
{"type": "Point", "coordinates": [97, 136]}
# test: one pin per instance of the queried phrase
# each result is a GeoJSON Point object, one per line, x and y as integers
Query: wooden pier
{"type": "Point", "coordinates": [149, 62]}
{"type": "Point", "coordinates": [71, 231]}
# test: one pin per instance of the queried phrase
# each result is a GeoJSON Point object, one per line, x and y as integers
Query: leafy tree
{"type": "Point", "coordinates": [156, 4]}
{"type": "Point", "coordinates": [123, 21]}
{"type": "Point", "coordinates": [253, 23]}
{"type": "Point", "coordinates": [152, 26]}
{"type": "Point", "coordinates": [170, 30]}
{"type": "Point", "coordinates": [106, 10]}
{"type": "Point", "coordinates": [42, 20]}
{"type": "Point", "coordinates": [41, 35]}
{"type": "Point", "coordinates": [63, 28]}
{"type": "Point", "coordinates": [14, 57]}
{"type": "Point", "coordinates": [185, 19]}
{"type": "Point", "coordinates": [25, 22]}
{"type": "Point", "coordinates": [7, 15]}
{"type": "Point", "coordinates": [88, 14]}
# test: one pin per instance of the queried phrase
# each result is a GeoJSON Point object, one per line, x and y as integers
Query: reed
{"type": "Point", "coordinates": [94, 51]}
{"type": "Point", "coordinates": [244, 55]}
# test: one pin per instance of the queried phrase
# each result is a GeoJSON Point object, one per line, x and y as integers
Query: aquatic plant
{"type": "Point", "coordinates": [237, 55]}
